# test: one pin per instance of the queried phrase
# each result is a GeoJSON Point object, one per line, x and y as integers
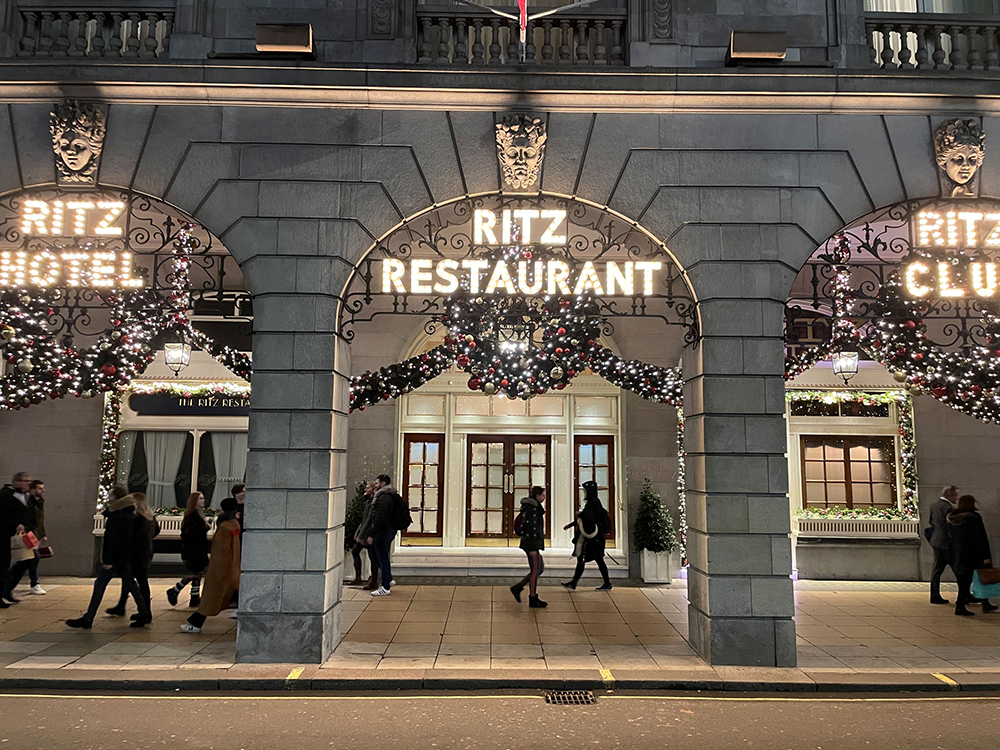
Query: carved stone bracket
{"type": "Point", "coordinates": [959, 148]}
{"type": "Point", "coordinates": [520, 149]}
{"type": "Point", "coordinates": [663, 19]}
{"type": "Point", "coordinates": [382, 21]}
{"type": "Point", "coordinates": [77, 141]}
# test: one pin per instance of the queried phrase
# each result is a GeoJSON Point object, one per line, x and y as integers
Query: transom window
{"type": "Point", "coordinates": [848, 472]}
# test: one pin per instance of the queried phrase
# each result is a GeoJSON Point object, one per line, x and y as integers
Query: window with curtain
{"type": "Point", "coordinates": [229, 454]}
{"type": "Point", "coordinates": [946, 7]}
{"type": "Point", "coordinates": [848, 472]}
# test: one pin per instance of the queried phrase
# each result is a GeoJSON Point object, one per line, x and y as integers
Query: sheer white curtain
{"type": "Point", "coordinates": [126, 449]}
{"type": "Point", "coordinates": [163, 460]}
{"type": "Point", "coordinates": [230, 450]}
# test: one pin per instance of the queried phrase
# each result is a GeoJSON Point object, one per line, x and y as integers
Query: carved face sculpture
{"type": "Point", "coordinates": [959, 151]}
{"type": "Point", "coordinates": [77, 140]}
{"type": "Point", "coordinates": [521, 148]}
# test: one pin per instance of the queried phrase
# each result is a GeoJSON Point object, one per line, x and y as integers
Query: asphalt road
{"type": "Point", "coordinates": [402, 722]}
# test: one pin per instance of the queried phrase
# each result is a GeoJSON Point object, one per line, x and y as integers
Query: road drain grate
{"type": "Point", "coordinates": [570, 698]}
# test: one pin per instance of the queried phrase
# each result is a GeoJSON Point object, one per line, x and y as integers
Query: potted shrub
{"type": "Point", "coordinates": [654, 536]}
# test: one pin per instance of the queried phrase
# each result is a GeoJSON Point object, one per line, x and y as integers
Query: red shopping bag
{"type": "Point", "coordinates": [30, 540]}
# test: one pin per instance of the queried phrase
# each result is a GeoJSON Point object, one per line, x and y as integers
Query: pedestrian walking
{"type": "Point", "coordinates": [18, 518]}
{"type": "Point", "coordinates": [384, 524]}
{"type": "Point", "coordinates": [37, 503]}
{"type": "Point", "coordinates": [532, 531]}
{"type": "Point", "coordinates": [194, 550]}
{"type": "Point", "coordinates": [939, 538]}
{"type": "Point", "coordinates": [222, 578]}
{"type": "Point", "coordinates": [116, 560]}
{"type": "Point", "coordinates": [970, 550]}
{"type": "Point", "coordinates": [593, 524]}
{"type": "Point", "coordinates": [361, 543]}
{"type": "Point", "coordinates": [146, 529]}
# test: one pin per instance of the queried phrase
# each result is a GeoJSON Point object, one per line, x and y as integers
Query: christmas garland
{"type": "Point", "coordinates": [682, 525]}
{"type": "Point", "coordinates": [907, 446]}
{"type": "Point", "coordinates": [190, 390]}
{"type": "Point", "coordinates": [395, 380]}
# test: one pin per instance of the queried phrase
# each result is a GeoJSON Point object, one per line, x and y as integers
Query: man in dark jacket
{"type": "Point", "coordinates": [28, 517]}
{"type": "Point", "coordinates": [14, 514]}
{"type": "Point", "coordinates": [116, 560]}
{"type": "Point", "coordinates": [532, 542]}
{"type": "Point", "coordinates": [381, 532]}
{"type": "Point", "coordinates": [939, 540]}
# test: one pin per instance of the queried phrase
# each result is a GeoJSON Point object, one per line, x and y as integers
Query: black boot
{"type": "Point", "coordinates": [80, 622]}
{"type": "Point", "coordinates": [116, 611]}
{"type": "Point", "coordinates": [963, 612]}
{"type": "Point", "coordinates": [535, 603]}
{"type": "Point", "coordinates": [987, 607]}
{"type": "Point", "coordinates": [571, 585]}
{"type": "Point", "coordinates": [516, 591]}
{"type": "Point", "coordinates": [606, 586]}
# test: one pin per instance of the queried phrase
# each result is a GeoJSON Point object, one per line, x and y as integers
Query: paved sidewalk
{"type": "Point", "coordinates": [864, 636]}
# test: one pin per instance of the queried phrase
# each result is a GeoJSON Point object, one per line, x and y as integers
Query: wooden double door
{"type": "Point", "coordinates": [501, 471]}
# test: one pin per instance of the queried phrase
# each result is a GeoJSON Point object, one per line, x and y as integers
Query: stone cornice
{"type": "Point", "coordinates": [258, 83]}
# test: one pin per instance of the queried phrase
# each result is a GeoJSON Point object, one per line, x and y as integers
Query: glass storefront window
{"type": "Point", "coordinates": [848, 472]}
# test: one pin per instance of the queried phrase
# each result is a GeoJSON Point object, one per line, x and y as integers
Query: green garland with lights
{"type": "Point", "coordinates": [682, 524]}
{"type": "Point", "coordinates": [907, 446]}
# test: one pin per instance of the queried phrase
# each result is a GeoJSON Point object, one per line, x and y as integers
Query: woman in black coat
{"type": "Point", "coordinates": [145, 529]}
{"type": "Point", "coordinates": [592, 527]}
{"type": "Point", "coordinates": [970, 550]}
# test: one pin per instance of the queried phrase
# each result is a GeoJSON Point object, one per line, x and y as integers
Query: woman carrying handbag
{"type": "Point", "coordinates": [592, 527]}
{"type": "Point", "coordinates": [970, 550]}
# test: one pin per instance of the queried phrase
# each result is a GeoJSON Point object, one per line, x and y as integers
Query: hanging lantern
{"type": "Point", "coordinates": [845, 363]}
{"type": "Point", "coordinates": [177, 354]}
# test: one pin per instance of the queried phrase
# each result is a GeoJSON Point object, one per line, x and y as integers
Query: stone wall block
{"type": "Point", "coordinates": [812, 211]}
{"type": "Point", "coordinates": [613, 137]}
{"type": "Point", "coordinates": [734, 395]}
{"type": "Point", "coordinates": [741, 242]}
{"type": "Point", "coordinates": [269, 274]}
{"type": "Point", "coordinates": [697, 513]}
{"type": "Point", "coordinates": [323, 390]}
{"type": "Point", "coordinates": [259, 592]}
{"type": "Point", "coordinates": [726, 514]}
{"type": "Point", "coordinates": [320, 469]}
{"type": "Point", "coordinates": [271, 550]}
{"type": "Point", "coordinates": [785, 654]}
{"type": "Point", "coordinates": [989, 172]}
{"type": "Point", "coordinates": [300, 125]}
{"type": "Point", "coordinates": [321, 275]}
{"type": "Point", "coordinates": [738, 131]}
{"type": "Point", "coordinates": [305, 200]}
{"type": "Point", "coordinates": [834, 174]}
{"type": "Point", "coordinates": [269, 430]}
{"type": "Point", "coordinates": [284, 313]}
{"type": "Point", "coordinates": [644, 173]}
{"type": "Point", "coordinates": [729, 596]}
{"type": "Point", "coordinates": [734, 317]}
{"type": "Point", "coordinates": [271, 351]}
{"type": "Point", "coordinates": [768, 514]}
{"type": "Point", "coordinates": [697, 549]}
{"type": "Point", "coordinates": [694, 401]}
{"type": "Point", "coordinates": [742, 641]}
{"type": "Point", "coordinates": [251, 237]}
{"type": "Point", "coordinates": [725, 434]}
{"type": "Point", "coordinates": [766, 434]}
{"type": "Point", "coordinates": [225, 205]}
{"type": "Point", "coordinates": [396, 170]}
{"type": "Point", "coordinates": [739, 168]}
{"type": "Point", "coordinates": [370, 203]}
{"type": "Point", "coordinates": [309, 509]}
{"type": "Point", "coordinates": [345, 238]}
{"type": "Point", "coordinates": [298, 237]}
{"type": "Point", "coordinates": [669, 209]}
{"type": "Point", "coordinates": [777, 473]}
{"type": "Point", "coordinates": [200, 170]}
{"type": "Point", "coordinates": [764, 356]}
{"type": "Point", "coordinates": [281, 638]}
{"type": "Point", "coordinates": [564, 150]}
{"type": "Point", "coordinates": [428, 134]}
{"type": "Point", "coordinates": [314, 351]}
{"type": "Point", "coordinates": [127, 128]}
{"type": "Point", "coordinates": [781, 555]}
{"type": "Point", "coordinates": [714, 280]}
{"type": "Point", "coordinates": [721, 355]}
{"type": "Point", "coordinates": [174, 130]}
{"type": "Point", "coordinates": [475, 138]}
{"type": "Point", "coordinates": [772, 597]}
{"type": "Point", "coordinates": [300, 162]}
{"type": "Point", "coordinates": [698, 589]}
{"type": "Point", "coordinates": [739, 554]}
{"type": "Point", "coordinates": [303, 592]}
{"type": "Point", "coordinates": [310, 429]}
{"type": "Point", "coordinates": [865, 138]}
{"type": "Point", "coordinates": [741, 205]}
{"type": "Point", "coordinates": [281, 390]}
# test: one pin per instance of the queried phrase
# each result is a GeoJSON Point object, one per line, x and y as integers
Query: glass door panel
{"type": "Point", "coordinates": [485, 507]}
{"type": "Point", "coordinates": [424, 473]}
{"type": "Point", "coordinates": [594, 460]}
{"type": "Point", "coordinates": [500, 472]}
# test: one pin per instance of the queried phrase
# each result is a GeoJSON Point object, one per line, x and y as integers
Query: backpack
{"type": "Point", "coordinates": [400, 517]}
{"type": "Point", "coordinates": [519, 524]}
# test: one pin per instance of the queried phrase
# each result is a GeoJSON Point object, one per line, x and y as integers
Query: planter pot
{"type": "Point", "coordinates": [656, 567]}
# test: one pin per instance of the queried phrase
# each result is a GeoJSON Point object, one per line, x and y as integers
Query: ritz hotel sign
{"type": "Point", "coordinates": [518, 227]}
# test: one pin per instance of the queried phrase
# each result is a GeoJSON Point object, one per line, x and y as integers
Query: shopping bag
{"type": "Point", "coordinates": [982, 590]}
{"type": "Point", "coordinates": [30, 540]}
{"type": "Point", "coordinates": [18, 551]}
{"type": "Point", "coordinates": [46, 552]}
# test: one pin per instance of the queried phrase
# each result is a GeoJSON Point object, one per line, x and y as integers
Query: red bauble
{"type": "Point", "coordinates": [108, 370]}
{"type": "Point", "coordinates": [561, 331]}
{"type": "Point", "coordinates": [571, 373]}
{"type": "Point", "coordinates": [977, 389]}
{"type": "Point", "coordinates": [462, 360]}
{"type": "Point", "coordinates": [939, 392]}
{"type": "Point", "coordinates": [504, 383]}
{"type": "Point", "coordinates": [560, 385]}
{"type": "Point", "coordinates": [910, 325]}
{"type": "Point", "coordinates": [918, 357]}
{"type": "Point", "coordinates": [559, 350]}
{"type": "Point", "coordinates": [424, 357]}
{"type": "Point", "coordinates": [490, 371]}
{"type": "Point", "coordinates": [474, 384]}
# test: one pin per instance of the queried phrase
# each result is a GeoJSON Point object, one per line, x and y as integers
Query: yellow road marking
{"type": "Point", "coordinates": [295, 673]}
{"type": "Point", "coordinates": [945, 679]}
{"type": "Point", "coordinates": [607, 677]}
{"type": "Point", "coordinates": [297, 697]}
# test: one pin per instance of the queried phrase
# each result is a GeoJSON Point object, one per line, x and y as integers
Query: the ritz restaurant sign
{"type": "Point", "coordinates": [522, 228]}
{"type": "Point", "coordinates": [958, 245]}
{"type": "Point", "coordinates": [58, 257]}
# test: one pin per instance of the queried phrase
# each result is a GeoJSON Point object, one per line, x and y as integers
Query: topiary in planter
{"type": "Point", "coordinates": [654, 529]}
{"type": "Point", "coordinates": [355, 510]}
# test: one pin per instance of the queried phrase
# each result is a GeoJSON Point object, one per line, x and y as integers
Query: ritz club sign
{"type": "Point", "coordinates": [955, 243]}
{"type": "Point", "coordinates": [529, 277]}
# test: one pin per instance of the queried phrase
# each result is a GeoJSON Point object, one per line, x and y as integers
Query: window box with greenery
{"type": "Point", "coordinates": [654, 536]}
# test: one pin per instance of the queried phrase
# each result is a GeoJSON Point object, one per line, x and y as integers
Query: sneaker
{"type": "Point", "coordinates": [116, 611]}
{"type": "Point", "coordinates": [571, 585]}
{"type": "Point", "coordinates": [234, 615]}
{"type": "Point", "coordinates": [172, 596]}
{"type": "Point", "coordinates": [80, 622]}
{"type": "Point", "coordinates": [516, 591]}
{"type": "Point", "coordinates": [381, 591]}
{"type": "Point", "coordinates": [605, 587]}
{"type": "Point", "coordinates": [37, 590]}
{"type": "Point", "coordinates": [187, 627]}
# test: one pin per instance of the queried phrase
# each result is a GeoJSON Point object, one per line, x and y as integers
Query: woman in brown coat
{"type": "Point", "coordinates": [223, 576]}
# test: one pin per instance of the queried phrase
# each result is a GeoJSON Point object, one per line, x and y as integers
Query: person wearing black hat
{"type": "Point", "coordinates": [593, 524]}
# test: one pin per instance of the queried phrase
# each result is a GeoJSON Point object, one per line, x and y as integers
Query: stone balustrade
{"type": "Point", "coordinates": [447, 37]}
{"type": "Point", "coordinates": [932, 41]}
{"type": "Point", "coordinates": [115, 31]}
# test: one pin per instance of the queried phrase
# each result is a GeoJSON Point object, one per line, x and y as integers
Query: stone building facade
{"type": "Point", "coordinates": [298, 166]}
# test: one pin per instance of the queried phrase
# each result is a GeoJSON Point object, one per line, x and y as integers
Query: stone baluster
{"type": "Point", "coordinates": [938, 55]}
{"type": "Point", "coordinates": [461, 53]}
{"type": "Point", "coordinates": [444, 34]}
{"type": "Point", "coordinates": [922, 48]}
{"type": "Point", "coordinates": [151, 42]}
{"type": "Point", "coordinates": [956, 58]}
{"type": "Point", "coordinates": [974, 58]}
{"type": "Point", "coordinates": [600, 50]}
{"type": "Point", "coordinates": [905, 53]}
{"type": "Point", "coordinates": [80, 41]}
{"type": "Point", "coordinates": [617, 49]}
{"type": "Point", "coordinates": [888, 53]}
{"type": "Point", "coordinates": [62, 41]}
{"type": "Point", "coordinates": [564, 43]}
{"type": "Point", "coordinates": [97, 40]}
{"type": "Point", "coordinates": [582, 43]}
{"type": "Point", "coordinates": [115, 42]}
{"type": "Point", "coordinates": [132, 43]}
{"type": "Point", "coordinates": [46, 35]}
{"type": "Point", "coordinates": [547, 49]}
{"type": "Point", "coordinates": [495, 48]}
{"type": "Point", "coordinates": [529, 45]}
{"type": "Point", "coordinates": [477, 42]}
{"type": "Point", "coordinates": [168, 25]}
{"type": "Point", "coordinates": [871, 30]}
{"type": "Point", "coordinates": [29, 44]}
{"type": "Point", "coordinates": [425, 41]}
{"type": "Point", "coordinates": [990, 39]}
{"type": "Point", "coordinates": [513, 40]}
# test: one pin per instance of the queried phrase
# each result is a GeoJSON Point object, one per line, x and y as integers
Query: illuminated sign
{"type": "Point", "coordinates": [71, 265]}
{"type": "Point", "coordinates": [947, 237]}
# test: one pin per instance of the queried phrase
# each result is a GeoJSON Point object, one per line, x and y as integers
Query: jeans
{"type": "Point", "coordinates": [373, 561]}
{"type": "Point", "coordinates": [383, 545]}
{"type": "Point", "coordinates": [942, 560]}
{"type": "Point", "coordinates": [17, 571]}
{"type": "Point", "coordinates": [142, 581]}
{"type": "Point", "coordinates": [104, 577]}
